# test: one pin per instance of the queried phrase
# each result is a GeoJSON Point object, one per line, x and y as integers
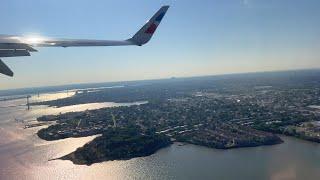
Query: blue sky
{"type": "Point", "coordinates": [203, 37]}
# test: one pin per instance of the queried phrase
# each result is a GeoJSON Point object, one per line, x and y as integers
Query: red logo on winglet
{"type": "Point", "coordinates": [151, 29]}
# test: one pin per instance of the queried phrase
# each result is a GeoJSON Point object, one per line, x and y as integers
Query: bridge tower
{"type": "Point", "coordinates": [28, 104]}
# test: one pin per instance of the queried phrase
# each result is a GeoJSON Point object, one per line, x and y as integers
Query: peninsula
{"type": "Point", "coordinates": [218, 112]}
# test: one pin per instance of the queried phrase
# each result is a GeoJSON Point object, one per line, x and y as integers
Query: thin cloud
{"type": "Point", "coordinates": [247, 3]}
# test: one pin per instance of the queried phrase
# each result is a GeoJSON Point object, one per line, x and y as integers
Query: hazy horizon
{"type": "Point", "coordinates": [194, 39]}
{"type": "Point", "coordinates": [155, 79]}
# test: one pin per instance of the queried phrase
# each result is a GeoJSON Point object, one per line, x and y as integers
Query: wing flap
{"type": "Point", "coordinates": [14, 53]}
{"type": "Point", "coordinates": [19, 46]}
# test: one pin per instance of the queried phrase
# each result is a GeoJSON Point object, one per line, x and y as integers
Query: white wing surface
{"type": "Point", "coordinates": [14, 46]}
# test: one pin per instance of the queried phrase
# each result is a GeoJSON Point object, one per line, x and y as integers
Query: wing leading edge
{"type": "Point", "coordinates": [13, 46]}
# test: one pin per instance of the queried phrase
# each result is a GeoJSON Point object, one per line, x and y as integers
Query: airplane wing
{"type": "Point", "coordinates": [13, 46]}
{"type": "Point", "coordinates": [4, 69]}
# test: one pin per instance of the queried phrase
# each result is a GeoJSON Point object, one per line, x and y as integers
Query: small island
{"type": "Point", "coordinates": [118, 144]}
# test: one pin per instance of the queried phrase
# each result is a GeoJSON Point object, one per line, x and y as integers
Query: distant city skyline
{"type": "Point", "coordinates": [195, 38]}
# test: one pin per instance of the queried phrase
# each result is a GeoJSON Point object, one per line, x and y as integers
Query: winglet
{"type": "Point", "coordinates": [146, 32]}
{"type": "Point", "coordinates": [4, 69]}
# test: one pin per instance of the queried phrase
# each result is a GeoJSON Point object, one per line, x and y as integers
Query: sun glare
{"type": "Point", "coordinates": [34, 39]}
